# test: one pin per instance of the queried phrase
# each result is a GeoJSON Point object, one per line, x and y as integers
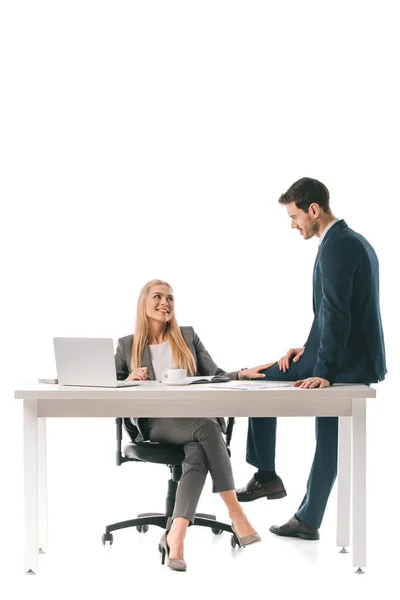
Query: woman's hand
{"type": "Point", "coordinates": [254, 372]}
{"type": "Point", "coordinates": [295, 353]}
{"type": "Point", "coordinates": [139, 374]}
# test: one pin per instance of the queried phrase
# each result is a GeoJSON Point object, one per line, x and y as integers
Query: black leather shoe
{"type": "Point", "coordinates": [295, 528]}
{"type": "Point", "coordinates": [258, 489]}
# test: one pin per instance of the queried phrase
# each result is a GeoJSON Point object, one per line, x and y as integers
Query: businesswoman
{"type": "Point", "coordinates": [159, 344]}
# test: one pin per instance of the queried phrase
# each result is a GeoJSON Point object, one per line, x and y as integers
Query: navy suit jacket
{"type": "Point", "coordinates": [346, 341]}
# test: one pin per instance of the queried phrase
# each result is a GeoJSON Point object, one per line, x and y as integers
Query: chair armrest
{"type": "Point", "coordinates": [118, 423]}
{"type": "Point", "coordinates": [229, 430]}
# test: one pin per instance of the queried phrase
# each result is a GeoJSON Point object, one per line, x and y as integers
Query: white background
{"type": "Point", "coordinates": [153, 139]}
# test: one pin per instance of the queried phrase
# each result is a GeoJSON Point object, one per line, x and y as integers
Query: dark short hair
{"type": "Point", "coordinates": [306, 191]}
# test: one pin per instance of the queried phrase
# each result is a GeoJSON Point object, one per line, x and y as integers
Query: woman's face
{"type": "Point", "coordinates": [160, 303]}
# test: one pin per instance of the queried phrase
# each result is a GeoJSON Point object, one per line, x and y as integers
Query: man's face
{"type": "Point", "coordinates": [306, 223]}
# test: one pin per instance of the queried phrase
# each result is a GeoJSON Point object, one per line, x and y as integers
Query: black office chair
{"type": "Point", "coordinates": [171, 456]}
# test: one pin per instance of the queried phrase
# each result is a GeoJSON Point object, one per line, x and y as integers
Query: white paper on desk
{"type": "Point", "coordinates": [251, 385]}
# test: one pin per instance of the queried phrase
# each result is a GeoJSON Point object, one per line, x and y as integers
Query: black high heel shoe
{"type": "Point", "coordinates": [177, 564]}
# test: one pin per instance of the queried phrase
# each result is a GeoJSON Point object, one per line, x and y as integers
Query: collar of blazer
{"type": "Point", "coordinates": [338, 227]}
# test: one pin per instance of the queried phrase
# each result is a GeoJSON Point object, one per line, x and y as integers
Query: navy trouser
{"type": "Point", "coordinates": [261, 441]}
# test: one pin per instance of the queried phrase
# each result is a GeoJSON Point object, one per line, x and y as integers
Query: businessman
{"type": "Point", "coordinates": [345, 345]}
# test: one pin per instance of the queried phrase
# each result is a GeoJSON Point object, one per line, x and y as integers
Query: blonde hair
{"type": "Point", "coordinates": [181, 355]}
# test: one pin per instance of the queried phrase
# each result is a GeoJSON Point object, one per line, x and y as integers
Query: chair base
{"type": "Point", "coordinates": [161, 520]}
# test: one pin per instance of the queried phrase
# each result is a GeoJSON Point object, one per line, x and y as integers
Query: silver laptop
{"type": "Point", "coordinates": [87, 362]}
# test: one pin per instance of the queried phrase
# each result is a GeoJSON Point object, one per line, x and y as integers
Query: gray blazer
{"type": "Point", "coordinates": [204, 362]}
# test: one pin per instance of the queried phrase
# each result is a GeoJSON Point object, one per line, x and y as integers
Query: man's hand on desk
{"type": "Point", "coordinates": [139, 374]}
{"type": "Point", "coordinates": [312, 382]}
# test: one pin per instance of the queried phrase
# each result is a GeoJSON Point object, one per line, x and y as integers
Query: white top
{"type": "Point", "coordinates": [326, 230]}
{"type": "Point", "coordinates": [161, 358]}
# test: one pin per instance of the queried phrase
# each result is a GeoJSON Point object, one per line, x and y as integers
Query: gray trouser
{"type": "Point", "coordinates": [204, 449]}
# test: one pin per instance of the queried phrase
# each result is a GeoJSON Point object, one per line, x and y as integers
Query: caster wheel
{"type": "Point", "coordinates": [216, 531]}
{"type": "Point", "coordinates": [107, 537]}
{"type": "Point", "coordinates": [142, 528]}
{"type": "Point", "coordinates": [234, 542]}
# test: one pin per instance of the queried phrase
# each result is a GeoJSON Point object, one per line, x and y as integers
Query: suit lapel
{"type": "Point", "coordinates": [315, 275]}
{"type": "Point", "coordinates": [146, 362]}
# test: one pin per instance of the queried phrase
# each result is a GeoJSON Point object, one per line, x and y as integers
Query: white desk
{"type": "Point", "coordinates": [153, 399]}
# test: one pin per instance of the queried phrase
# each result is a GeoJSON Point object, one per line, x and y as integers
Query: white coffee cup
{"type": "Point", "coordinates": [174, 375]}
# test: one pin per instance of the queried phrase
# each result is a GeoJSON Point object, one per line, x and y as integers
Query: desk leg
{"type": "Point", "coordinates": [31, 485]}
{"type": "Point", "coordinates": [344, 484]}
{"type": "Point", "coordinates": [42, 480]}
{"type": "Point", "coordinates": [359, 484]}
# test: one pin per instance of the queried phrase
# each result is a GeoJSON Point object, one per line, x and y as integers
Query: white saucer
{"type": "Point", "coordinates": [177, 383]}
